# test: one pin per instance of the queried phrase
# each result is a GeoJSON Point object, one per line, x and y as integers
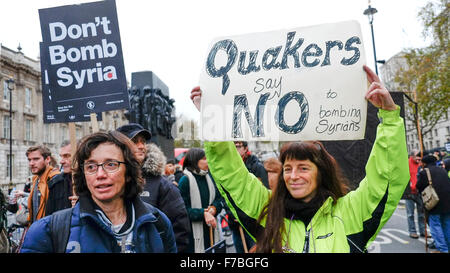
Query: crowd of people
{"type": "Point", "coordinates": [119, 193]}
{"type": "Point", "coordinates": [438, 218]}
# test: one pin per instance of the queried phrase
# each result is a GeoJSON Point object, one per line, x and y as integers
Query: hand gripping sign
{"type": "Point", "coordinates": [298, 84]}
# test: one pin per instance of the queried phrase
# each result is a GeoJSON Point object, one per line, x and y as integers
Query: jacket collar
{"type": "Point", "coordinates": [143, 212]}
{"type": "Point", "coordinates": [323, 210]}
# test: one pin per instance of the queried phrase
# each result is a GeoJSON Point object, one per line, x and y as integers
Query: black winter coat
{"type": "Point", "coordinates": [164, 195]}
{"type": "Point", "coordinates": [59, 191]}
{"type": "Point", "coordinates": [257, 168]}
{"type": "Point", "coordinates": [441, 184]}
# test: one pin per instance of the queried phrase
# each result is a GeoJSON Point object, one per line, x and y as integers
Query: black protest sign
{"type": "Point", "coordinates": [50, 113]}
{"type": "Point", "coordinates": [82, 48]}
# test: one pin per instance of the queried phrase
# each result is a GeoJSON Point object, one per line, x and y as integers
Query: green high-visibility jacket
{"type": "Point", "coordinates": [348, 225]}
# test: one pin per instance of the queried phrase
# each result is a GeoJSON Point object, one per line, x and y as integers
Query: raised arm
{"type": "Point", "coordinates": [387, 173]}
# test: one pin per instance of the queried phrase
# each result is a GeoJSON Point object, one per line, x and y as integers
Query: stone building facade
{"type": "Point", "coordinates": [28, 128]}
{"type": "Point", "coordinates": [435, 139]}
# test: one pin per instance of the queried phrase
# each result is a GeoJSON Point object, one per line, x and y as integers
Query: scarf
{"type": "Point", "coordinates": [43, 189]}
{"type": "Point", "coordinates": [194, 192]}
{"type": "Point", "coordinates": [299, 210]}
{"type": "Point", "coordinates": [122, 233]}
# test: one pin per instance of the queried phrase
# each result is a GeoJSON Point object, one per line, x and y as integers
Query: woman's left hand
{"type": "Point", "coordinates": [210, 219]}
{"type": "Point", "coordinates": [377, 94]}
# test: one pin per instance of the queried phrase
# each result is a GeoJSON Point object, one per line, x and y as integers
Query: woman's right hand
{"type": "Point", "coordinates": [196, 95]}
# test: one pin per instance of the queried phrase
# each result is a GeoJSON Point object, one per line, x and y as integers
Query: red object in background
{"type": "Point", "coordinates": [179, 154]}
{"type": "Point", "coordinates": [224, 221]}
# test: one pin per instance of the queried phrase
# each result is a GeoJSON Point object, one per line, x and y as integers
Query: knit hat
{"type": "Point", "coordinates": [428, 159]}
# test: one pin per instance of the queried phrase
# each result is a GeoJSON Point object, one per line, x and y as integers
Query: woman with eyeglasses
{"type": "Point", "coordinates": [109, 216]}
{"type": "Point", "coordinates": [311, 209]}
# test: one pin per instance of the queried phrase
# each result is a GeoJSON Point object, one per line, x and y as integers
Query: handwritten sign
{"type": "Point", "coordinates": [298, 84]}
{"type": "Point", "coordinates": [84, 60]}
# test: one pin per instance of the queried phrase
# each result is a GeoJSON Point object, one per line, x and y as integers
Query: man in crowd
{"type": "Point", "coordinates": [413, 199]}
{"type": "Point", "coordinates": [62, 187]}
{"type": "Point", "coordinates": [43, 173]}
{"type": "Point", "coordinates": [158, 191]}
{"type": "Point", "coordinates": [252, 162]}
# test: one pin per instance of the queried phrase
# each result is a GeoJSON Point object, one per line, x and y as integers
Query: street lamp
{"type": "Point", "coordinates": [10, 84]}
{"type": "Point", "coordinates": [370, 11]}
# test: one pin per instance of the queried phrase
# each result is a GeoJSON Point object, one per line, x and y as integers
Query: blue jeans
{"type": "Point", "coordinates": [440, 230]}
{"type": "Point", "coordinates": [416, 201]}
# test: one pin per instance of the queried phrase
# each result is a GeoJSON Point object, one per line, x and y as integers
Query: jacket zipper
{"type": "Point", "coordinates": [306, 246]}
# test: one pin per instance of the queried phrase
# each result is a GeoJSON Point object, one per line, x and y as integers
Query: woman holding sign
{"type": "Point", "coordinates": [311, 209]}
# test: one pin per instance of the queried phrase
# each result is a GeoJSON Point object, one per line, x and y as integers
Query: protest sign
{"type": "Point", "coordinates": [299, 84]}
{"type": "Point", "coordinates": [84, 62]}
{"type": "Point", "coordinates": [50, 113]}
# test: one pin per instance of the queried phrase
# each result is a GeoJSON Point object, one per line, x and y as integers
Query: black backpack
{"type": "Point", "coordinates": [60, 229]}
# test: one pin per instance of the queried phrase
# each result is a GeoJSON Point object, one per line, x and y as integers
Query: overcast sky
{"type": "Point", "coordinates": [171, 37]}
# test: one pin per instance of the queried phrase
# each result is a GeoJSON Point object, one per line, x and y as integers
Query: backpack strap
{"type": "Point", "coordinates": [428, 175]}
{"type": "Point", "coordinates": [60, 229]}
{"type": "Point", "coordinates": [160, 225]}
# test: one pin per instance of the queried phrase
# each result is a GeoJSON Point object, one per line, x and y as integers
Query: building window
{"type": "Point", "coordinates": [47, 133]}
{"type": "Point", "coordinates": [438, 143]}
{"type": "Point", "coordinates": [435, 132]}
{"type": "Point", "coordinates": [28, 130]}
{"type": "Point", "coordinates": [64, 133]}
{"type": "Point", "coordinates": [27, 97]}
{"type": "Point", "coordinates": [5, 91]}
{"type": "Point", "coordinates": [78, 133]}
{"type": "Point", "coordinates": [6, 126]}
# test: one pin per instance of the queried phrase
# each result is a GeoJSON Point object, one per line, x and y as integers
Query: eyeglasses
{"type": "Point", "coordinates": [239, 146]}
{"type": "Point", "coordinates": [108, 166]}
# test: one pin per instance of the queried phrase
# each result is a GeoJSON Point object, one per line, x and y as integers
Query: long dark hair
{"type": "Point", "coordinates": [192, 158]}
{"type": "Point", "coordinates": [134, 181]}
{"type": "Point", "coordinates": [330, 182]}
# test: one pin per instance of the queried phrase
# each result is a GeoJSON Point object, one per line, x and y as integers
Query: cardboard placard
{"type": "Point", "coordinates": [299, 84]}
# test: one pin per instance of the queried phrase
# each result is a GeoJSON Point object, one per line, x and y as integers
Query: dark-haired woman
{"type": "Point", "coordinates": [311, 209]}
{"type": "Point", "coordinates": [203, 201]}
{"type": "Point", "coordinates": [109, 216]}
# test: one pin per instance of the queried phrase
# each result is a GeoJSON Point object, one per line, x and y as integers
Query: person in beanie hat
{"type": "Point", "coordinates": [158, 191]}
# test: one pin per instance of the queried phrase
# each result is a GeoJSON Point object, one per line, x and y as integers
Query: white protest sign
{"type": "Point", "coordinates": [299, 84]}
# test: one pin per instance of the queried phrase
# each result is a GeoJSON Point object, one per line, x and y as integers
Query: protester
{"type": "Point", "coordinates": [311, 209]}
{"type": "Point", "coordinates": [447, 166]}
{"type": "Point", "coordinates": [203, 201]}
{"type": "Point", "coordinates": [439, 216]}
{"type": "Point", "coordinates": [252, 162]}
{"type": "Point", "coordinates": [43, 173]}
{"type": "Point", "coordinates": [109, 215]}
{"type": "Point", "coordinates": [178, 173]}
{"type": "Point", "coordinates": [61, 188]}
{"type": "Point", "coordinates": [4, 242]}
{"type": "Point", "coordinates": [413, 200]}
{"type": "Point", "coordinates": [273, 167]}
{"type": "Point", "coordinates": [169, 171]}
{"type": "Point", "coordinates": [158, 191]}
